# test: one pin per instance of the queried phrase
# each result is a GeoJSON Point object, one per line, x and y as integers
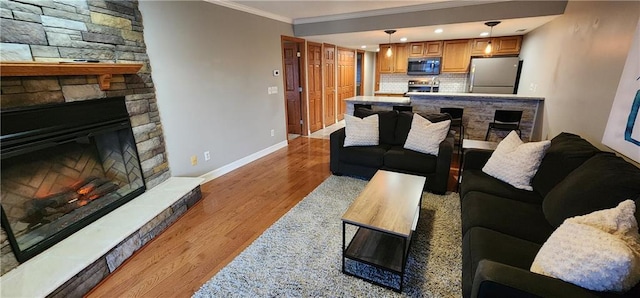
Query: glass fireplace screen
{"type": "Point", "coordinates": [53, 186]}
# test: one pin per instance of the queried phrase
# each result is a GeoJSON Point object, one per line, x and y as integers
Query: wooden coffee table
{"type": "Point", "coordinates": [386, 214]}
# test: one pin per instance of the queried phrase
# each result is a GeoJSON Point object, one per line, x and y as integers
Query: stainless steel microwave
{"type": "Point", "coordinates": [424, 66]}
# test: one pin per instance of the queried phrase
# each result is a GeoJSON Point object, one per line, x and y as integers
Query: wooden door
{"type": "Point", "coordinates": [385, 64]}
{"type": "Point", "coordinates": [401, 58]}
{"type": "Point", "coordinates": [508, 45]}
{"type": "Point", "coordinates": [292, 87]}
{"type": "Point", "coordinates": [478, 45]}
{"type": "Point", "coordinates": [416, 49]}
{"type": "Point", "coordinates": [346, 78]}
{"type": "Point", "coordinates": [433, 48]}
{"type": "Point", "coordinates": [314, 87]}
{"type": "Point", "coordinates": [329, 72]}
{"type": "Point", "coordinates": [456, 55]}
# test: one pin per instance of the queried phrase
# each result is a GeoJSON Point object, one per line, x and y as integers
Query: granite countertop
{"type": "Point", "coordinates": [472, 96]}
{"type": "Point", "coordinates": [379, 99]}
{"type": "Point", "coordinates": [389, 92]}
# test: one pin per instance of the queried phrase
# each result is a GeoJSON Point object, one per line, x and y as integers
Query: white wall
{"type": "Point", "coordinates": [575, 62]}
{"type": "Point", "coordinates": [369, 72]}
{"type": "Point", "coordinates": [212, 66]}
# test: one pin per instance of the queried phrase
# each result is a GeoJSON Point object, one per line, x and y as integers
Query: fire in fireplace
{"type": "Point", "coordinates": [63, 167]}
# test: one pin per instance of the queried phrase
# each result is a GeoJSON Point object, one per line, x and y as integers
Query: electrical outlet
{"type": "Point", "coordinates": [273, 132]}
{"type": "Point", "coordinates": [194, 160]}
{"type": "Point", "coordinates": [207, 155]}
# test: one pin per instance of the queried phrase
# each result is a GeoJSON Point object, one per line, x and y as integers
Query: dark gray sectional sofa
{"type": "Point", "coordinates": [394, 126]}
{"type": "Point", "coordinates": [504, 227]}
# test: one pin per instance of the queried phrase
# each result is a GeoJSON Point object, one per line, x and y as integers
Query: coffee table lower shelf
{"type": "Point", "coordinates": [382, 250]}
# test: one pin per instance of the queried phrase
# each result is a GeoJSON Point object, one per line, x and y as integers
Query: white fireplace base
{"type": "Point", "coordinates": [46, 272]}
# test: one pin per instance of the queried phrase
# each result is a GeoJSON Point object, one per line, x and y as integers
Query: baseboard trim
{"type": "Point", "coordinates": [241, 162]}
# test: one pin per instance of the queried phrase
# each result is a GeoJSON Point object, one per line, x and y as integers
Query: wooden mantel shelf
{"type": "Point", "coordinates": [104, 71]}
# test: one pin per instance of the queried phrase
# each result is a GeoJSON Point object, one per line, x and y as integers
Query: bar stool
{"type": "Point", "coordinates": [456, 121]}
{"type": "Point", "coordinates": [505, 120]}
{"type": "Point", "coordinates": [403, 108]}
{"type": "Point", "coordinates": [359, 105]}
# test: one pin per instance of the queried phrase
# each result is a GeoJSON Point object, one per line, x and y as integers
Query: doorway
{"type": "Point", "coordinates": [293, 57]}
{"type": "Point", "coordinates": [360, 73]}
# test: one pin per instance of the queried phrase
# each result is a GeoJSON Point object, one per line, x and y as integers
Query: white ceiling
{"type": "Point", "coordinates": [310, 11]}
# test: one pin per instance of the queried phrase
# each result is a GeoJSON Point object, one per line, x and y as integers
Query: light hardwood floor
{"type": "Point", "coordinates": [235, 209]}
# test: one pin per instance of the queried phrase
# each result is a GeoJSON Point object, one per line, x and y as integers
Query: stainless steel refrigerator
{"type": "Point", "coordinates": [494, 75]}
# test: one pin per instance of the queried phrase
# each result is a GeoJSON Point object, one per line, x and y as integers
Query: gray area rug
{"type": "Point", "coordinates": [300, 254]}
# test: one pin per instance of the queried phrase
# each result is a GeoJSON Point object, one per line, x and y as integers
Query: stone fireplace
{"type": "Point", "coordinates": [64, 166]}
{"type": "Point", "coordinates": [110, 32]}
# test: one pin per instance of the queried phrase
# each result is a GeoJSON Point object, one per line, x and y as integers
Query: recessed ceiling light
{"type": "Point", "coordinates": [378, 50]}
{"type": "Point", "coordinates": [403, 39]}
{"type": "Point", "coordinates": [439, 30]}
{"type": "Point", "coordinates": [363, 47]}
{"type": "Point", "coordinates": [484, 34]}
{"type": "Point", "coordinates": [521, 30]}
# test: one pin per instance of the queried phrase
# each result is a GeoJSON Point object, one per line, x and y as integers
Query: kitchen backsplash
{"type": "Point", "coordinates": [449, 82]}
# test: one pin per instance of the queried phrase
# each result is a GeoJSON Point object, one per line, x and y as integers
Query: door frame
{"type": "Point", "coordinates": [303, 81]}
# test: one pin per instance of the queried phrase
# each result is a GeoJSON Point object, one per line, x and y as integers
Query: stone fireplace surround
{"type": "Point", "coordinates": [109, 31]}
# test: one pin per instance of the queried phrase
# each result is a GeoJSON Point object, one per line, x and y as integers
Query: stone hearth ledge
{"type": "Point", "coordinates": [48, 271]}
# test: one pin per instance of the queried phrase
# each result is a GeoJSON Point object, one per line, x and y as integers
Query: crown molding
{"type": "Point", "coordinates": [251, 10]}
{"type": "Point", "coordinates": [395, 10]}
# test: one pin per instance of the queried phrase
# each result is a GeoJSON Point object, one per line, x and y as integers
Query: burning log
{"type": "Point", "coordinates": [101, 191]}
{"type": "Point", "coordinates": [61, 203]}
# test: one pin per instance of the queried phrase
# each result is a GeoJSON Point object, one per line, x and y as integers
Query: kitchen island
{"type": "Point", "coordinates": [478, 109]}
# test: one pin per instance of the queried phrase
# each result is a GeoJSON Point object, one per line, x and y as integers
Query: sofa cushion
{"type": "Point", "coordinates": [387, 126]}
{"type": "Point", "coordinates": [476, 180]}
{"type": "Point", "coordinates": [404, 123]}
{"type": "Point", "coordinates": [566, 153]}
{"type": "Point", "coordinates": [516, 162]}
{"type": "Point", "coordinates": [599, 183]}
{"type": "Point", "coordinates": [361, 131]}
{"type": "Point", "coordinates": [425, 136]}
{"type": "Point", "coordinates": [370, 156]}
{"type": "Point", "coordinates": [413, 161]}
{"type": "Point", "coordinates": [480, 243]}
{"type": "Point", "coordinates": [599, 251]}
{"type": "Point", "coordinates": [523, 220]}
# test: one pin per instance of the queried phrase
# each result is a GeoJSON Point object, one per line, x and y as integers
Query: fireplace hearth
{"type": "Point", "coordinates": [64, 166]}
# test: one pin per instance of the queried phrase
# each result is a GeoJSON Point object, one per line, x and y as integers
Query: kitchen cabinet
{"type": "Point", "coordinates": [456, 55]}
{"type": "Point", "coordinates": [425, 49]}
{"type": "Point", "coordinates": [507, 45]}
{"type": "Point", "coordinates": [433, 48]}
{"type": "Point", "coordinates": [397, 63]}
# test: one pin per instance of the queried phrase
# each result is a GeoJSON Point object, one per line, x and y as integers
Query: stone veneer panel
{"type": "Point", "coordinates": [62, 30]}
{"type": "Point", "coordinates": [88, 278]}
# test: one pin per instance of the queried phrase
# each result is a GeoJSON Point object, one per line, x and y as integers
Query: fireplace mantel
{"type": "Point", "coordinates": [104, 71]}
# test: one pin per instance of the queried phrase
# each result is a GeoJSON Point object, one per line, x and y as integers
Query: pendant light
{"type": "Point", "coordinates": [489, 49]}
{"type": "Point", "coordinates": [389, 52]}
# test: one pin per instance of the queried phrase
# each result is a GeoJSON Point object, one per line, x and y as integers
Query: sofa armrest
{"type": "Point", "coordinates": [336, 143]}
{"type": "Point", "coordinates": [493, 279]}
{"type": "Point", "coordinates": [438, 184]}
{"type": "Point", "coordinates": [475, 159]}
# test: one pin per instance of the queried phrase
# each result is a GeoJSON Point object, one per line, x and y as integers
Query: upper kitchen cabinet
{"type": "Point", "coordinates": [507, 45]}
{"type": "Point", "coordinates": [425, 49]}
{"type": "Point", "coordinates": [397, 63]}
{"type": "Point", "coordinates": [456, 55]}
